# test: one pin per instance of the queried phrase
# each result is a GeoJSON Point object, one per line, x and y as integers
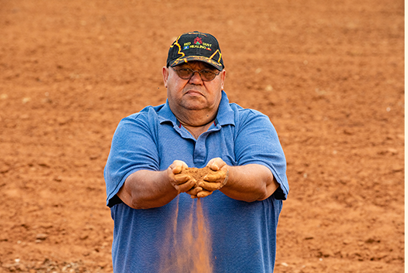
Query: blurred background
{"type": "Point", "coordinates": [329, 74]}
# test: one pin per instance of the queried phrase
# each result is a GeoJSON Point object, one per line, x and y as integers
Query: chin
{"type": "Point", "coordinates": [195, 107]}
{"type": "Point", "coordinates": [195, 104]}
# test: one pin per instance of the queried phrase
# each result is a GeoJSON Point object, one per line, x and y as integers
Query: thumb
{"type": "Point", "coordinates": [213, 166]}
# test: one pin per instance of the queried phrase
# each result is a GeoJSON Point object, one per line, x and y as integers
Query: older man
{"type": "Point", "coordinates": [196, 127]}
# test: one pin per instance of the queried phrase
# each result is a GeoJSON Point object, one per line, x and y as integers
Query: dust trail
{"type": "Point", "coordinates": [187, 248]}
{"type": "Point", "coordinates": [202, 261]}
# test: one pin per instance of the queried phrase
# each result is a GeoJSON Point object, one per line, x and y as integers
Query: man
{"type": "Point", "coordinates": [196, 127]}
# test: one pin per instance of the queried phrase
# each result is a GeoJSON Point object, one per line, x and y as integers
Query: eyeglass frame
{"type": "Point", "coordinates": [199, 72]}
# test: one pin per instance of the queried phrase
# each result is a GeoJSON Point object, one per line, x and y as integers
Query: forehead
{"type": "Point", "coordinates": [196, 65]}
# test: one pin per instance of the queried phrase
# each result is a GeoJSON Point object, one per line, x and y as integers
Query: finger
{"type": "Point", "coordinates": [216, 164]}
{"type": "Point", "coordinates": [177, 169]}
{"type": "Point", "coordinates": [210, 186]}
{"type": "Point", "coordinates": [178, 166]}
{"type": "Point", "coordinates": [213, 164]}
{"type": "Point", "coordinates": [204, 193]}
{"type": "Point", "coordinates": [181, 178]}
{"type": "Point", "coordinates": [214, 176]}
{"type": "Point", "coordinates": [186, 186]}
{"type": "Point", "coordinates": [194, 190]}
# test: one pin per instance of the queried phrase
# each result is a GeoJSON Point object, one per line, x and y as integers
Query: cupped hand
{"type": "Point", "coordinates": [181, 182]}
{"type": "Point", "coordinates": [216, 179]}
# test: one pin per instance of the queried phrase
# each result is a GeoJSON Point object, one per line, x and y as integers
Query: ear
{"type": "Point", "coordinates": [223, 74]}
{"type": "Point", "coordinates": [165, 75]}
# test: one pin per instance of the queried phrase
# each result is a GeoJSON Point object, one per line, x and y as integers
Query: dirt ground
{"type": "Point", "coordinates": [329, 74]}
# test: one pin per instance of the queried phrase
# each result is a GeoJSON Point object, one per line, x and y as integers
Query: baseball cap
{"type": "Point", "coordinates": [195, 46]}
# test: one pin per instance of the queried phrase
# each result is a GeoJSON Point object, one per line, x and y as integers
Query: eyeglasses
{"type": "Point", "coordinates": [205, 74]}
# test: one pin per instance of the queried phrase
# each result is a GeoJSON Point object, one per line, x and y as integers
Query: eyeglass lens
{"type": "Point", "coordinates": [187, 73]}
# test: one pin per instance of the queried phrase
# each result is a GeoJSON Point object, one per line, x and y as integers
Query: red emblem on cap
{"type": "Point", "coordinates": [198, 41]}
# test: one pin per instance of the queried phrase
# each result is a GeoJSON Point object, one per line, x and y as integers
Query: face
{"type": "Point", "coordinates": [193, 94]}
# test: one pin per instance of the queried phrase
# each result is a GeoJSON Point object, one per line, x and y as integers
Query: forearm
{"type": "Point", "coordinates": [249, 183]}
{"type": "Point", "coordinates": [147, 189]}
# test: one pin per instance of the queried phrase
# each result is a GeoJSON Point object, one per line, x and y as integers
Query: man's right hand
{"type": "Point", "coordinates": [181, 182]}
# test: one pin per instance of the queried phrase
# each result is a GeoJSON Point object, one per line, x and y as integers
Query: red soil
{"type": "Point", "coordinates": [329, 74]}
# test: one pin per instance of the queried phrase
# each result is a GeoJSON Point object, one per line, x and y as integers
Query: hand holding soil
{"type": "Point", "coordinates": [179, 179]}
{"type": "Point", "coordinates": [208, 179]}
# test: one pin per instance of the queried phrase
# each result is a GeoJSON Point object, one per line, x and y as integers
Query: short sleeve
{"type": "Point", "coordinates": [257, 142]}
{"type": "Point", "coordinates": [133, 148]}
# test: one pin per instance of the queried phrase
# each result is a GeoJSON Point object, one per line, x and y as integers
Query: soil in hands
{"type": "Point", "coordinates": [198, 174]}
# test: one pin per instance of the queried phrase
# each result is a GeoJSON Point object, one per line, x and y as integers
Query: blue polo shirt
{"type": "Point", "coordinates": [243, 235]}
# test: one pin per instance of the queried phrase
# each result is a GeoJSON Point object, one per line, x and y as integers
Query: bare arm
{"type": "Point", "coordinates": [150, 189]}
{"type": "Point", "coordinates": [248, 183]}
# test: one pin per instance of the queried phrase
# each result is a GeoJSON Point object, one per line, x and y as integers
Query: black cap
{"type": "Point", "coordinates": [195, 46]}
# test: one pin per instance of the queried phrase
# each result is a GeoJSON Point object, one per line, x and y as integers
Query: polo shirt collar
{"type": "Point", "coordinates": [166, 115]}
{"type": "Point", "coordinates": [225, 114]}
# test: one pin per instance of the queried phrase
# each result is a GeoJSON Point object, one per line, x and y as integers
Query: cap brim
{"type": "Point", "coordinates": [209, 61]}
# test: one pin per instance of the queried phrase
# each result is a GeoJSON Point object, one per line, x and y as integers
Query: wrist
{"type": "Point", "coordinates": [226, 178]}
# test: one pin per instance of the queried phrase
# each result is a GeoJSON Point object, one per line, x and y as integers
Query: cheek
{"type": "Point", "coordinates": [170, 83]}
{"type": "Point", "coordinates": [174, 87]}
{"type": "Point", "coordinates": [215, 94]}
{"type": "Point", "coordinates": [217, 87]}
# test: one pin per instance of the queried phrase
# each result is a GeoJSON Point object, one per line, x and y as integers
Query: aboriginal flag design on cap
{"type": "Point", "coordinates": [195, 46]}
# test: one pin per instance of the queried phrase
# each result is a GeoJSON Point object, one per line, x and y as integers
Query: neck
{"type": "Point", "coordinates": [196, 119]}
{"type": "Point", "coordinates": [196, 123]}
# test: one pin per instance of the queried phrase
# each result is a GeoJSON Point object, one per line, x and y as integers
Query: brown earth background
{"type": "Point", "coordinates": [329, 74]}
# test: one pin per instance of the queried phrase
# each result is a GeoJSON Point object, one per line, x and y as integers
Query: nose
{"type": "Point", "coordinates": [196, 78]}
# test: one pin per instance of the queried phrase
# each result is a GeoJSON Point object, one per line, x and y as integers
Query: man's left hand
{"type": "Point", "coordinates": [215, 180]}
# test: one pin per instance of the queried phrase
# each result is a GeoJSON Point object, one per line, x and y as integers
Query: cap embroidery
{"type": "Point", "coordinates": [212, 56]}
{"type": "Point", "coordinates": [176, 43]}
{"type": "Point", "coordinates": [198, 41]}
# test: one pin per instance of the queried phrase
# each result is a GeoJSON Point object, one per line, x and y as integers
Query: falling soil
{"type": "Point", "coordinates": [191, 250]}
